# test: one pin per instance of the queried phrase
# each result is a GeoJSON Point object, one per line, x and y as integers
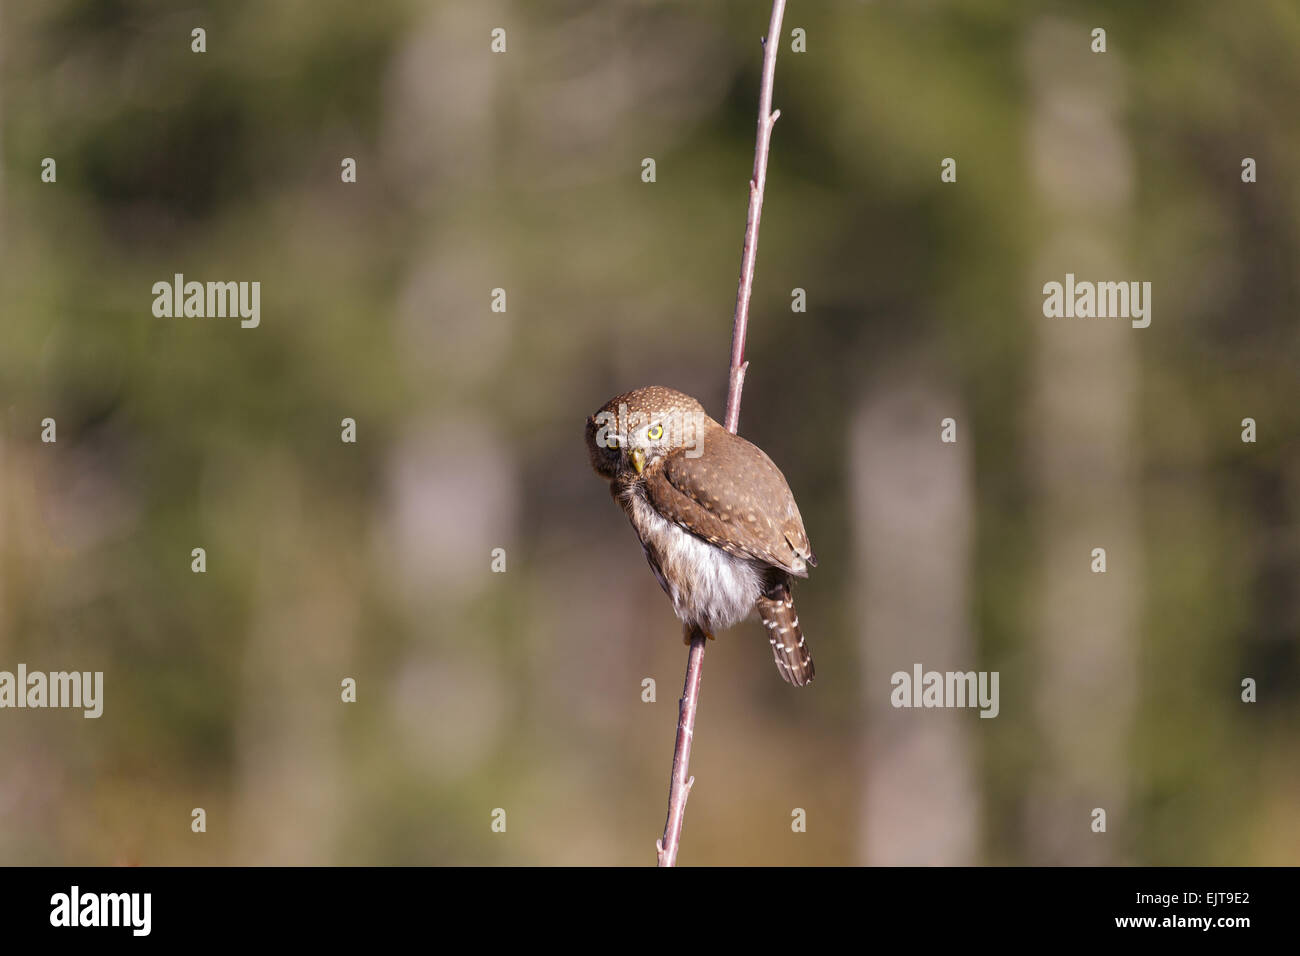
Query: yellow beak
{"type": "Point", "coordinates": [638, 460]}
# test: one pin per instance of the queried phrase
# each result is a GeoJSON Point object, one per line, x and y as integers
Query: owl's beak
{"type": "Point", "coordinates": [638, 460]}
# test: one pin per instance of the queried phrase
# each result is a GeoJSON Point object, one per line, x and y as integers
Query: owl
{"type": "Point", "coordinates": [715, 517]}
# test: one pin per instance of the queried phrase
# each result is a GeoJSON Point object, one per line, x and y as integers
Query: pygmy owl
{"type": "Point", "coordinates": [715, 516]}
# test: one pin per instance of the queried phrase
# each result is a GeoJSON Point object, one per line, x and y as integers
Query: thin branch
{"type": "Point", "coordinates": [679, 787]}
{"type": "Point", "coordinates": [757, 183]}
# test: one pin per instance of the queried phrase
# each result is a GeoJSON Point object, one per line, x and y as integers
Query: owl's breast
{"type": "Point", "coordinates": [706, 585]}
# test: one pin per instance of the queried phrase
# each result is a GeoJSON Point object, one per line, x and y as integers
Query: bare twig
{"type": "Point", "coordinates": [679, 787]}
{"type": "Point", "coordinates": [766, 119]}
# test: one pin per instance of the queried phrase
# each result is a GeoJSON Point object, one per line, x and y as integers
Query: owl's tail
{"type": "Point", "coordinates": [793, 660]}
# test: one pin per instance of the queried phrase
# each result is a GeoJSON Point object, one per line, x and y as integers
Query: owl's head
{"type": "Point", "coordinates": [636, 429]}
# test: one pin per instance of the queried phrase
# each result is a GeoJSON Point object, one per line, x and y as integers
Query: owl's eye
{"type": "Point", "coordinates": [655, 433]}
{"type": "Point", "coordinates": [611, 443]}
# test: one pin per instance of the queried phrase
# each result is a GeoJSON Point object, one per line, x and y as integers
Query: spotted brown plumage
{"type": "Point", "coordinates": [715, 516]}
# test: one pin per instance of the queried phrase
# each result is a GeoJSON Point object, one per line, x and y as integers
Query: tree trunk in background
{"type": "Point", "coordinates": [912, 535]}
{"type": "Point", "coordinates": [1081, 450]}
{"type": "Point", "coordinates": [292, 778]}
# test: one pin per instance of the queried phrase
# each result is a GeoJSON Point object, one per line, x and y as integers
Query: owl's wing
{"type": "Point", "coordinates": [734, 497]}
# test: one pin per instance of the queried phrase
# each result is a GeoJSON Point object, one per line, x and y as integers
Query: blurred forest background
{"type": "Point", "coordinates": [522, 170]}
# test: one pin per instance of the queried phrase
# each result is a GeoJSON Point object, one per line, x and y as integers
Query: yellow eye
{"type": "Point", "coordinates": [611, 442]}
{"type": "Point", "coordinates": [655, 433]}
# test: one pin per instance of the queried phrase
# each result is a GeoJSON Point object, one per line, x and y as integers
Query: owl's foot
{"type": "Point", "coordinates": [689, 632]}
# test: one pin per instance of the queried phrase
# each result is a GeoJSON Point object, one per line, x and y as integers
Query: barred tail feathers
{"type": "Point", "coordinates": [793, 660]}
